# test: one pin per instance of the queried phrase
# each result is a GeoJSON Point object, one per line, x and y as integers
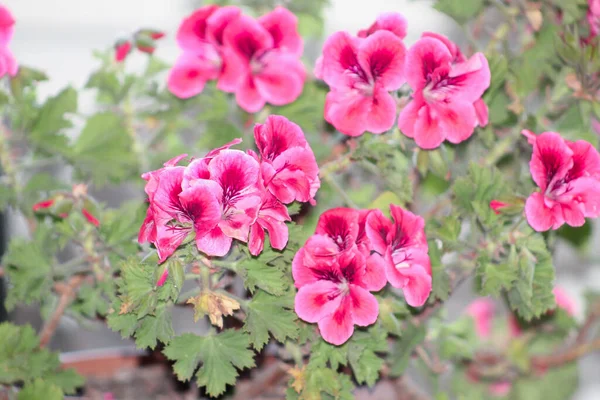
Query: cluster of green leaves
{"type": "Point", "coordinates": [22, 361]}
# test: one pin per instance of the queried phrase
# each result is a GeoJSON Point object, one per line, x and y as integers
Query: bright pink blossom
{"type": "Point", "coordinates": [8, 64]}
{"type": "Point", "coordinates": [446, 91]}
{"type": "Point", "coordinates": [272, 216]}
{"type": "Point", "coordinates": [482, 311]}
{"type": "Point", "coordinates": [263, 73]}
{"type": "Point", "coordinates": [389, 21]}
{"type": "Point", "coordinates": [200, 37]}
{"type": "Point", "coordinates": [282, 24]}
{"type": "Point", "coordinates": [336, 296]}
{"type": "Point", "coordinates": [403, 247]}
{"type": "Point", "coordinates": [593, 17]}
{"type": "Point", "coordinates": [288, 165]}
{"type": "Point", "coordinates": [232, 180]}
{"type": "Point", "coordinates": [360, 74]}
{"type": "Point", "coordinates": [568, 175]}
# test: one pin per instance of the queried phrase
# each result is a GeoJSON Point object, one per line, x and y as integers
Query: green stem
{"type": "Point", "coordinates": [138, 148]}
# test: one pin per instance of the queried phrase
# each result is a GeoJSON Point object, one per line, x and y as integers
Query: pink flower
{"type": "Point", "coordinates": [200, 36]}
{"type": "Point", "coordinates": [122, 49]}
{"type": "Point", "coordinates": [174, 213]}
{"type": "Point", "coordinates": [232, 180]}
{"type": "Point", "coordinates": [288, 165]}
{"type": "Point", "coordinates": [403, 248]}
{"type": "Point", "coordinates": [271, 217]}
{"type": "Point", "coordinates": [361, 73]}
{"type": "Point", "coordinates": [8, 64]}
{"type": "Point", "coordinates": [283, 27]}
{"type": "Point", "coordinates": [568, 175]}
{"type": "Point", "coordinates": [337, 296]}
{"type": "Point", "coordinates": [257, 70]}
{"type": "Point", "coordinates": [482, 311]}
{"type": "Point", "coordinates": [445, 92]}
{"type": "Point", "coordinates": [389, 21]}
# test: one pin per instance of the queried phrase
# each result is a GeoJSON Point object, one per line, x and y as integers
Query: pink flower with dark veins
{"type": "Point", "coordinates": [335, 296]}
{"type": "Point", "coordinates": [272, 216]}
{"type": "Point", "coordinates": [262, 72]}
{"type": "Point", "coordinates": [402, 247]}
{"type": "Point", "coordinates": [445, 92]}
{"type": "Point", "coordinates": [282, 24]}
{"type": "Point", "coordinates": [360, 74]}
{"type": "Point", "coordinates": [288, 165]}
{"type": "Point", "coordinates": [568, 175]}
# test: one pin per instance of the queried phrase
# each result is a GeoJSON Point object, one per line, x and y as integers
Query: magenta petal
{"type": "Point", "coordinates": [202, 206]}
{"type": "Point", "coordinates": [218, 21]}
{"type": "Point", "coordinates": [192, 32]}
{"type": "Point", "coordinates": [471, 78]}
{"type": "Point", "coordinates": [383, 54]}
{"type": "Point", "coordinates": [276, 135]}
{"type": "Point", "coordinates": [256, 240]}
{"type": "Point", "coordinates": [317, 300]}
{"type": "Point", "coordinates": [428, 131]}
{"type": "Point", "coordinates": [418, 285]}
{"type": "Point", "coordinates": [586, 160]}
{"type": "Point", "coordinates": [341, 225]}
{"type": "Point", "coordinates": [408, 117]}
{"type": "Point", "coordinates": [319, 245]}
{"type": "Point", "coordinates": [374, 278]}
{"type": "Point", "coordinates": [246, 37]}
{"type": "Point", "coordinates": [458, 120]}
{"type": "Point", "coordinates": [281, 79]}
{"type": "Point", "coordinates": [340, 52]}
{"type": "Point", "coordinates": [190, 73]}
{"type": "Point", "coordinates": [239, 217]}
{"type": "Point", "coordinates": [163, 278]}
{"type": "Point", "coordinates": [248, 97]}
{"type": "Point", "coordinates": [234, 170]}
{"type": "Point", "coordinates": [168, 239]}
{"type": "Point", "coordinates": [551, 159]}
{"type": "Point", "coordinates": [423, 58]}
{"type": "Point", "coordinates": [215, 243]}
{"type": "Point", "coordinates": [378, 229]}
{"type": "Point", "coordinates": [282, 24]}
{"type": "Point", "coordinates": [482, 310]}
{"type": "Point", "coordinates": [365, 308]}
{"type": "Point", "coordinates": [347, 111]}
{"type": "Point", "coordinates": [278, 232]}
{"type": "Point", "coordinates": [382, 114]}
{"type": "Point", "coordinates": [482, 112]}
{"type": "Point", "coordinates": [337, 328]}
{"type": "Point", "coordinates": [301, 271]}
{"type": "Point", "coordinates": [234, 71]}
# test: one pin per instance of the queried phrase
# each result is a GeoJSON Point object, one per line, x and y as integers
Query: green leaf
{"type": "Point", "coordinates": [412, 336]}
{"type": "Point", "coordinates": [324, 354]}
{"type": "Point", "coordinates": [122, 323]}
{"type": "Point", "coordinates": [154, 328]}
{"type": "Point", "coordinates": [365, 366]}
{"type": "Point", "coordinates": [497, 277]}
{"type": "Point", "coordinates": [264, 272]}
{"type": "Point", "coordinates": [498, 71]}
{"type": "Point", "coordinates": [532, 294]}
{"type": "Point", "coordinates": [460, 10]}
{"type": "Point", "coordinates": [270, 314]}
{"type": "Point", "coordinates": [559, 383]}
{"type": "Point", "coordinates": [40, 389]}
{"type": "Point", "coordinates": [440, 285]}
{"type": "Point", "coordinates": [103, 150]}
{"type": "Point", "coordinates": [383, 201]}
{"type": "Point", "coordinates": [47, 130]}
{"type": "Point", "coordinates": [220, 355]}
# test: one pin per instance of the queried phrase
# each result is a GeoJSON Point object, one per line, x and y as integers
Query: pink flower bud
{"type": "Point", "coordinates": [122, 49]}
{"type": "Point", "coordinates": [43, 204]}
{"type": "Point", "coordinates": [91, 219]}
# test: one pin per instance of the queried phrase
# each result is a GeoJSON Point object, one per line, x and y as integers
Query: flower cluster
{"type": "Point", "coordinates": [61, 204]}
{"type": "Point", "coordinates": [257, 59]}
{"type": "Point", "coordinates": [568, 175]}
{"type": "Point", "coordinates": [8, 64]}
{"type": "Point", "coordinates": [230, 194]}
{"type": "Point", "coordinates": [362, 71]}
{"type": "Point", "coordinates": [143, 40]}
{"type": "Point", "coordinates": [352, 253]}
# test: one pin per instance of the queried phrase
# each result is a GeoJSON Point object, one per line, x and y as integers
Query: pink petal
{"type": "Point", "coordinates": [378, 229]}
{"type": "Point", "coordinates": [215, 243]}
{"type": "Point", "coordinates": [408, 117]}
{"type": "Point", "coordinates": [240, 216]}
{"type": "Point", "coordinates": [347, 111]}
{"type": "Point", "coordinates": [383, 54]}
{"type": "Point", "coordinates": [283, 27]}
{"type": "Point", "coordinates": [500, 389]}
{"type": "Point", "coordinates": [196, 170]}
{"type": "Point", "coordinates": [256, 240]}
{"type": "Point", "coordinates": [418, 285]}
{"type": "Point", "coordinates": [470, 79]}
{"type": "Point", "coordinates": [586, 160]}
{"type": "Point", "coordinates": [166, 196]}
{"type": "Point", "coordinates": [320, 245]}
{"type": "Point", "coordinates": [551, 159]}
{"type": "Point", "coordinates": [340, 224]}
{"type": "Point", "coordinates": [539, 217]}
{"type": "Point", "coordinates": [202, 205]}
{"type": "Point", "coordinates": [148, 229]}
{"type": "Point", "coordinates": [246, 37]}
{"type": "Point", "coordinates": [234, 71]}
{"type": "Point", "coordinates": [482, 112]}
{"type": "Point", "coordinates": [411, 225]}
{"type": "Point", "coordinates": [382, 113]}
{"type": "Point", "coordinates": [389, 21]}
{"type": "Point", "coordinates": [317, 300]}
{"type": "Point", "coordinates": [297, 169]}
{"type": "Point", "coordinates": [235, 170]}
{"type": "Point", "coordinates": [457, 55]}
{"type": "Point", "coordinates": [163, 278]}
{"type": "Point", "coordinates": [365, 308]}
{"type": "Point", "coordinates": [7, 23]}
{"type": "Point", "coordinates": [90, 218]}
{"type": "Point", "coordinates": [192, 31]}
{"type": "Point", "coordinates": [281, 78]}
{"type": "Point", "coordinates": [374, 278]}
{"type": "Point", "coordinates": [278, 232]}
{"type": "Point", "coordinates": [218, 22]}
{"type": "Point", "coordinates": [190, 73]}
{"type": "Point", "coordinates": [586, 196]}
{"type": "Point", "coordinates": [318, 70]}
{"type": "Point", "coordinates": [301, 271]}
{"type": "Point", "coordinates": [337, 328]}
{"type": "Point", "coordinates": [340, 53]}
{"type": "Point", "coordinates": [428, 132]}
{"type": "Point", "coordinates": [248, 97]}
{"type": "Point", "coordinates": [168, 239]}
{"type": "Point", "coordinates": [276, 135]}
{"type": "Point", "coordinates": [458, 120]}
{"type": "Point", "coordinates": [175, 160]}
{"type": "Point", "coordinates": [424, 57]}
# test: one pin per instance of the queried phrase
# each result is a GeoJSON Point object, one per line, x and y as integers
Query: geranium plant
{"type": "Point", "coordinates": [318, 215]}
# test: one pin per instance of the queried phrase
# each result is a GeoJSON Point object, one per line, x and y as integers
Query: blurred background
{"type": "Point", "coordinates": [58, 37]}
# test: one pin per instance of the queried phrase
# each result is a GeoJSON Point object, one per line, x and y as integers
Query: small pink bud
{"type": "Point", "coordinates": [122, 49]}
{"type": "Point", "coordinates": [531, 137]}
{"type": "Point", "coordinates": [496, 205]}
{"type": "Point", "coordinates": [91, 219]}
{"type": "Point", "coordinates": [163, 278]}
{"type": "Point", "coordinates": [146, 49]}
{"type": "Point", "coordinates": [43, 204]}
